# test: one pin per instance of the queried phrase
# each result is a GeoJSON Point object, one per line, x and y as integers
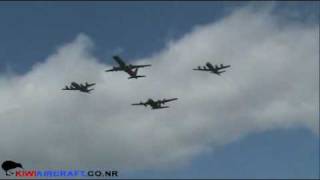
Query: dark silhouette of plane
{"type": "Point", "coordinates": [132, 70]}
{"type": "Point", "coordinates": [9, 165]}
{"type": "Point", "coordinates": [155, 104]}
{"type": "Point", "coordinates": [213, 69]}
{"type": "Point", "coordinates": [80, 87]}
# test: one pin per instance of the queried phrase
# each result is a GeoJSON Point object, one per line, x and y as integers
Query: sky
{"type": "Point", "coordinates": [260, 119]}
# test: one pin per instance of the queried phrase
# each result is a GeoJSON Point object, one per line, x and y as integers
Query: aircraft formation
{"type": "Point", "coordinates": [132, 71]}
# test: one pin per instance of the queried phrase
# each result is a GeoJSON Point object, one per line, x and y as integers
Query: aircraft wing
{"type": "Point", "coordinates": [114, 69]}
{"type": "Point", "coordinates": [89, 90]}
{"type": "Point", "coordinates": [222, 67]}
{"type": "Point", "coordinates": [140, 66]}
{"type": "Point", "coordinates": [219, 72]}
{"type": "Point", "coordinates": [123, 64]}
{"type": "Point", "coordinates": [138, 104]}
{"type": "Point", "coordinates": [168, 100]}
{"type": "Point", "coordinates": [69, 88]}
{"type": "Point", "coordinates": [89, 85]}
{"type": "Point", "coordinates": [201, 69]}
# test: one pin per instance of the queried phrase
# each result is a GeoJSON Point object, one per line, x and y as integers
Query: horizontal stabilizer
{"type": "Point", "coordinates": [218, 73]}
{"type": "Point", "coordinates": [162, 107]}
{"type": "Point", "coordinates": [135, 77]}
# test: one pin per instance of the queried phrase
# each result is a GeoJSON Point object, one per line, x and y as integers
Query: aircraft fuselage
{"type": "Point", "coordinates": [210, 66]}
{"type": "Point", "coordinates": [155, 104]}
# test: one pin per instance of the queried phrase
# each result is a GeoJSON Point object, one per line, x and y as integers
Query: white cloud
{"type": "Point", "coordinates": [272, 84]}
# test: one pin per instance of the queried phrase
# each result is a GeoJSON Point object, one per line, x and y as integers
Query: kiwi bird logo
{"type": "Point", "coordinates": [9, 165]}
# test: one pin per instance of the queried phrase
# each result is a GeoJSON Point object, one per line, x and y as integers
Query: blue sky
{"type": "Point", "coordinates": [30, 31]}
{"type": "Point", "coordinates": [138, 28]}
{"type": "Point", "coordinates": [36, 29]}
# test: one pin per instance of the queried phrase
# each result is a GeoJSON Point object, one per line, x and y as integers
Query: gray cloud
{"type": "Point", "coordinates": [272, 84]}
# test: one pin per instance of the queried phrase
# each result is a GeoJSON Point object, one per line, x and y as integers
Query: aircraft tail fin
{"type": "Point", "coordinates": [135, 71]}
